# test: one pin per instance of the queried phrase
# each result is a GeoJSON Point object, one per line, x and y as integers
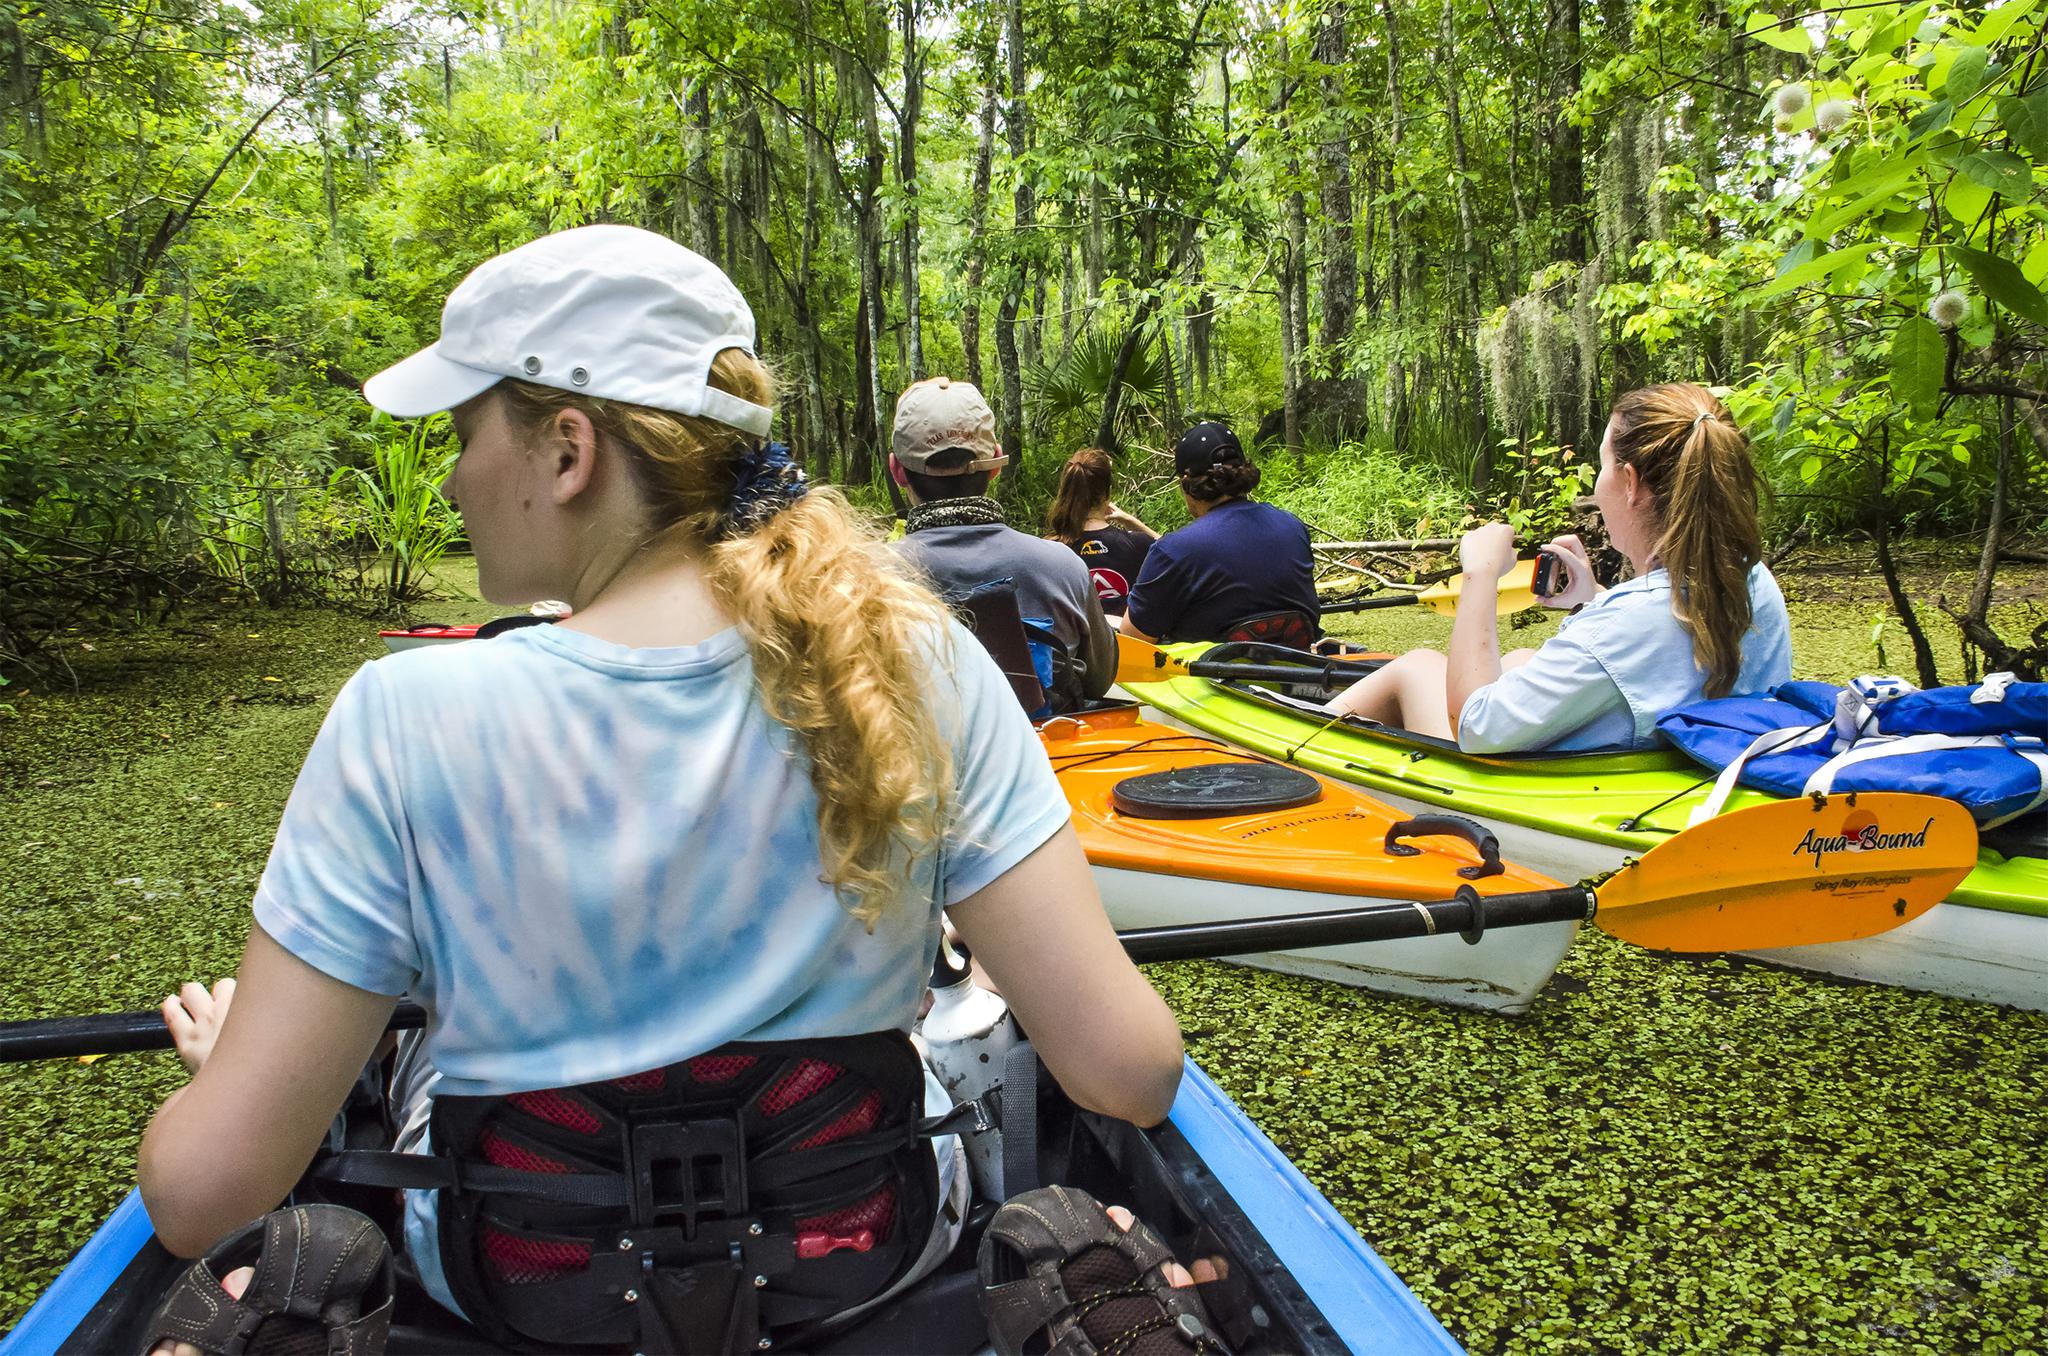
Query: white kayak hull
{"type": "Point", "coordinates": [1503, 972]}
{"type": "Point", "coordinates": [1988, 955]}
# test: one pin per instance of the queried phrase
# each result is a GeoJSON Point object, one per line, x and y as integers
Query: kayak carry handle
{"type": "Point", "coordinates": [1448, 826]}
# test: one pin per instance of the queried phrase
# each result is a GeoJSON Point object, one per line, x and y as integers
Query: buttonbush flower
{"type": "Point", "coordinates": [1949, 310]}
{"type": "Point", "coordinates": [1833, 115]}
{"type": "Point", "coordinates": [1791, 100]}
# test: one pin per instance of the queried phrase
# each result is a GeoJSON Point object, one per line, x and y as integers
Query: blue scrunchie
{"type": "Point", "coordinates": [766, 482]}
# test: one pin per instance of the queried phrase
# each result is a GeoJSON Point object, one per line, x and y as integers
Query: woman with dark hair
{"type": "Point", "coordinates": [1111, 543]}
{"type": "Point", "coordinates": [1237, 562]}
{"type": "Point", "coordinates": [1702, 615]}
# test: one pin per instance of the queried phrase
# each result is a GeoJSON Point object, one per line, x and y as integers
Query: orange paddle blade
{"type": "Point", "coordinates": [1813, 869]}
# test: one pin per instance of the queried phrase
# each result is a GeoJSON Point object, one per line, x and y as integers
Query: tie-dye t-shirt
{"type": "Point", "coordinates": [588, 860]}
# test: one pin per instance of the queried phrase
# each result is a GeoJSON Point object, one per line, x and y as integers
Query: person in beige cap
{"type": "Point", "coordinates": [944, 453]}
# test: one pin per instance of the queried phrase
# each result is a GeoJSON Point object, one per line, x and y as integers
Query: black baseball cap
{"type": "Point", "coordinates": [1203, 446]}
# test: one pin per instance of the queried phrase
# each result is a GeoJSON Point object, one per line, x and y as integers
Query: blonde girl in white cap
{"type": "Point", "coordinates": [725, 800]}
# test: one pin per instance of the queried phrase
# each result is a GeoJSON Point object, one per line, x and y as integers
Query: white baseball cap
{"type": "Point", "coordinates": [608, 311]}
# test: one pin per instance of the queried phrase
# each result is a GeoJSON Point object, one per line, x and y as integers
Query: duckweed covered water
{"type": "Point", "coordinates": [1663, 1156]}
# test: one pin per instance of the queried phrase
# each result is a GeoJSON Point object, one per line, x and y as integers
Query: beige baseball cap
{"type": "Point", "coordinates": [937, 413]}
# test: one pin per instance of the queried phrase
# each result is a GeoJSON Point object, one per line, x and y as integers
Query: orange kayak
{"type": "Point", "coordinates": [1183, 829]}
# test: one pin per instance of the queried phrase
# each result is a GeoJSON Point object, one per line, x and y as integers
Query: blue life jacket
{"type": "Point", "coordinates": [1984, 746]}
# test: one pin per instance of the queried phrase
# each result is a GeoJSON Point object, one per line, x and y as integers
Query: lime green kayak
{"type": "Point", "coordinates": [1570, 815]}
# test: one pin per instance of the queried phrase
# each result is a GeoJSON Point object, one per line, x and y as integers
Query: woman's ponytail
{"type": "Point", "coordinates": [1697, 466]}
{"type": "Point", "coordinates": [1084, 483]}
{"type": "Point", "coordinates": [841, 635]}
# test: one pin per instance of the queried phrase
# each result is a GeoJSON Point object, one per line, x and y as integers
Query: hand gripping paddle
{"type": "Point", "coordinates": [1517, 591]}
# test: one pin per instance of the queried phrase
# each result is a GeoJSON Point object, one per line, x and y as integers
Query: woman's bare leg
{"type": "Point", "coordinates": [1514, 659]}
{"type": "Point", "coordinates": [1407, 692]}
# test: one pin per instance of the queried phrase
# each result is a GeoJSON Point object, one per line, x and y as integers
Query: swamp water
{"type": "Point", "coordinates": [1664, 1156]}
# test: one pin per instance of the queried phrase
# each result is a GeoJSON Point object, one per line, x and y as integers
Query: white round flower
{"type": "Point", "coordinates": [1791, 100]}
{"type": "Point", "coordinates": [1833, 115]}
{"type": "Point", "coordinates": [1949, 310]}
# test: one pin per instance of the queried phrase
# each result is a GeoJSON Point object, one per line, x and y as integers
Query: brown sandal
{"type": "Point", "coordinates": [1059, 1277]}
{"type": "Point", "coordinates": [323, 1284]}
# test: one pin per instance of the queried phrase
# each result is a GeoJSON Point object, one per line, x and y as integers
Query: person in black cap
{"type": "Point", "coordinates": [1238, 563]}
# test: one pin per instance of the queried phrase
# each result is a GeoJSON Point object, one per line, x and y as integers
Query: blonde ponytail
{"type": "Point", "coordinates": [841, 635]}
{"type": "Point", "coordinates": [841, 638]}
{"type": "Point", "coordinates": [1696, 464]}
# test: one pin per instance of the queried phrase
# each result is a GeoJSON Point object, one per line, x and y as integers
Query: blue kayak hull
{"type": "Point", "coordinates": [1333, 1291]}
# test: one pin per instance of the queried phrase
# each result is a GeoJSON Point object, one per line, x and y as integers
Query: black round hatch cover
{"type": "Point", "coordinates": [1209, 790]}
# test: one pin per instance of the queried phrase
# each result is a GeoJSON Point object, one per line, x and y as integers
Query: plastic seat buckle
{"type": "Point", "coordinates": [686, 1171]}
{"type": "Point", "coordinates": [812, 1244]}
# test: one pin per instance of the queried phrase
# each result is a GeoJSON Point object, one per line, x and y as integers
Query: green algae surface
{"type": "Point", "coordinates": [1663, 1156]}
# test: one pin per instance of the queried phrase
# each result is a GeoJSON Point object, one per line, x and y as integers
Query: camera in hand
{"type": "Point", "coordinates": [1551, 577]}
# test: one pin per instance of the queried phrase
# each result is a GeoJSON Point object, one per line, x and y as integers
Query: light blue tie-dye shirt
{"type": "Point", "coordinates": [588, 860]}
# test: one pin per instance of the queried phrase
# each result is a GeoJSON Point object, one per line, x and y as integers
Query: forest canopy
{"type": "Point", "coordinates": [1441, 235]}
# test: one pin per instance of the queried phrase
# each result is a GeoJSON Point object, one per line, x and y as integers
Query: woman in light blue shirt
{"type": "Point", "coordinates": [1702, 615]}
{"type": "Point", "coordinates": [725, 800]}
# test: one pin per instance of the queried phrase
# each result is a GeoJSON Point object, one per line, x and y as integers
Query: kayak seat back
{"type": "Point", "coordinates": [741, 1196]}
{"type": "Point", "coordinates": [1293, 629]}
{"type": "Point", "coordinates": [1045, 676]}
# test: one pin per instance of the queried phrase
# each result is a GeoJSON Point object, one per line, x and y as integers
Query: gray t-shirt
{"type": "Point", "coordinates": [1051, 582]}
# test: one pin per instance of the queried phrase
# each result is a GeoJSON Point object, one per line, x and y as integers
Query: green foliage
{"type": "Point", "coordinates": [402, 510]}
{"type": "Point", "coordinates": [1067, 392]}
{"type": "Point", "coordinates": [1544, 482]}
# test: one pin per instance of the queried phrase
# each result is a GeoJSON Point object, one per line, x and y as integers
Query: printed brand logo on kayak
{"type": "Point", "coordinates": [1860, 833]}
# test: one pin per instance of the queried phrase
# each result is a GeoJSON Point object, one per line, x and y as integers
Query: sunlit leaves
{"type": "Point", "coordinates": [2002, 281]}
{"type": "Point", "coordinates": [1787, 35]}
{"type": "Point", "coordinates": [1917, 356]}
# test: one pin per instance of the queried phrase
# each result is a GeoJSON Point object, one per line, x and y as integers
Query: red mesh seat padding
{"type": "Point", "coordinates": [720, 1068]}
{"type": "Point", "coordinates": [555, 1109]}
{"type": "Point", "coordinates": [864, 1116]}
{"type": "Point", "coordinates": [877, 1212]}
{"type": "Point", "coordinates": [651, 1081]}
{"type": "Point", "coordinates": [505, 1154]}
{"type": "Point", "coordinates": [526, 1261]}
{"type": "Point", "coordinates": [809, 1078]}
{"type": "Point", "coordinates": [1295, 630]}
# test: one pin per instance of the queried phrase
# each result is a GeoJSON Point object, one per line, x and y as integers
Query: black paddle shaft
{"type": "Point", "coordinates": [1328, 676]}
{"type": "Point", "coordinates": [1368, 604]}
{"type": "Point", "coordinates": [1468, 915]}
{"type": "Point", "coordinates": [118, 1033]}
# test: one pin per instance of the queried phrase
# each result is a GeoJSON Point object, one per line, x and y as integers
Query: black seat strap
{"type": "Point", "coordinates": [432, 1172]}
{"type": "Point", "coordinates": [1020, 1120]}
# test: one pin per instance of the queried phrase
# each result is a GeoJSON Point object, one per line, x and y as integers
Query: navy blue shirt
{"type": "Point", "coordinates": [1239, 560]}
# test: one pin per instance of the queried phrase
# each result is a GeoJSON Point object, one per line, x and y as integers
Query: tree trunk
{"type": "Point", "coordinates": [868, 441]}
{"type": "Point", "coordinates": [703, 193]}
{"type": "Point", "coordinates": [1010, 414]}
{"type": "Point", "coordinates": [1340, 257]}
{"type": "Point", "coordinates": [1094, 242]}
{"type": "Point", "coordinates": [760, 213]}
{"type": "Point", "coordinates": [977, 221]}
{"type": "Point", "coordinates": [1567, 152]}
{"type": "Point", "coordinates": [815, 172]}
{"type": "Point", "coordinates": [1994, 528]}
{"type": "Point", "coordinates": [1466, 359]}
{"type": "Point", "coordinates": [1398, 278]}
{"type": "Point", "coordinates": [1024, 205]}
{"type": "Point", "coordinates": [906, 176]}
